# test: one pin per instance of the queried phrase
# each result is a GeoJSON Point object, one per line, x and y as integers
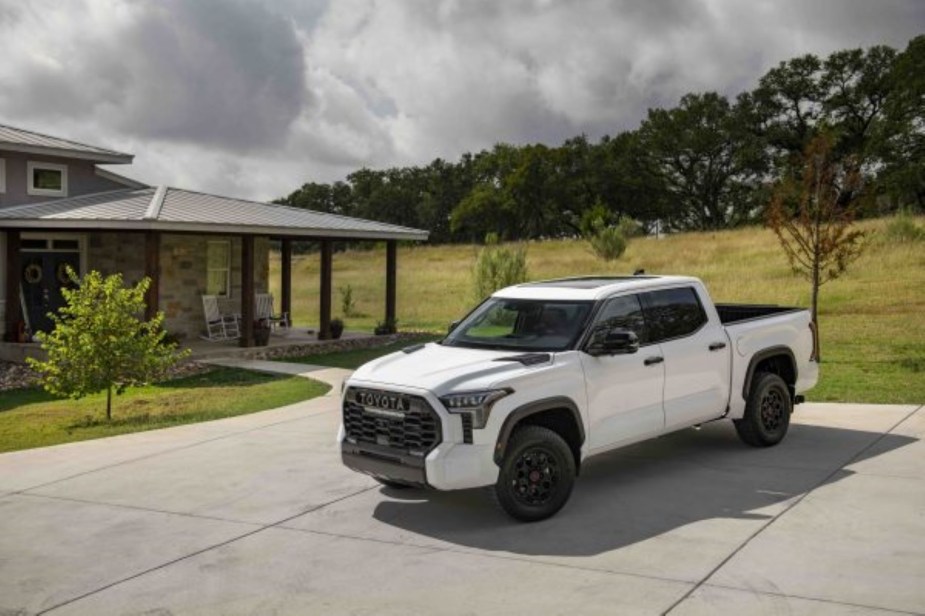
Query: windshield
{"type": "Point", "coordinates": [521, 325]}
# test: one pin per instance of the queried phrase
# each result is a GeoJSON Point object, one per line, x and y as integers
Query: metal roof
{"type": "Point", "coordinates": [172, 209]}
{"type": "Point", "coordinates": [21, 140]}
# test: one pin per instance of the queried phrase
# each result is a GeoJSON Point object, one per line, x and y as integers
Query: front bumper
{"type": "Point", "coordinates": [384, 463]}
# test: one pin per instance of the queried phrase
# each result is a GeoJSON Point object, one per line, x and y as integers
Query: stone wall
{"type": "Point", "coordinates": [111, 253]}
{"type": "Point", "coordinates": [183, 279]}
{"type": "Point", "coordinates": [183, 272]}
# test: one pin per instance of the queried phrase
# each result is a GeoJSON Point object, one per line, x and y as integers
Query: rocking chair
{"type": "Point", "coordinates": [219, 326]}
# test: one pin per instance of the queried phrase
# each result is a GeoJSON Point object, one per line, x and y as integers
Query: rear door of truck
{"type": "Point", "coordinates": [696, 351]}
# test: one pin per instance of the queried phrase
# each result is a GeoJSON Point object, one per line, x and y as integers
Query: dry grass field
{"type": "Point", "coordinates": [872, 319]}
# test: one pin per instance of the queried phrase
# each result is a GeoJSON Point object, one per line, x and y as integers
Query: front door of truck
{"type": "Point", "coordinates": [624, 391]}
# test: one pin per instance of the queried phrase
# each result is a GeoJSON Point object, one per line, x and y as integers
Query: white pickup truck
{"type": "Point", "coordinates": [541, 376]}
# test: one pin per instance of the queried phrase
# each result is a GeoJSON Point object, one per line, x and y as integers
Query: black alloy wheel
{"type": "Point", "coordinates": [536, 475]}
{"type": "Point", "coordinates": [767, 411]}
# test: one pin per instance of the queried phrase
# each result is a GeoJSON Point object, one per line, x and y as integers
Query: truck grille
{"type": "Point", "coordinates": [397, 421]}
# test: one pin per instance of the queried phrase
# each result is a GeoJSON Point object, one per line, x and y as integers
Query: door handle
{"type": "Point", "coordinates": [716, 346]}
{"type": "Point", "coordinates": [656, 359]}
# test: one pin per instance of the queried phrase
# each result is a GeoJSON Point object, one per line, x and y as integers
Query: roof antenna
{"type": "Point", "coordinates": [639, 272]}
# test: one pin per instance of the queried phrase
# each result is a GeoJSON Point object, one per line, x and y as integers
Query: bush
{"type": "Point", "coordinates": [386, 327]}
{"type": "Point", "coordinates": [902, 229]}
{"type": "Point", "coordinates": [497, 267]}
{"type": "Point", "coordinates": [347, 303]}
{"type": "Point", "coordinates": [606, 242]}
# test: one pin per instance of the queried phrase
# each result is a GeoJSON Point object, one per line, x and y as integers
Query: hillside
{"type": "Point", "coordinates": [872, 323]}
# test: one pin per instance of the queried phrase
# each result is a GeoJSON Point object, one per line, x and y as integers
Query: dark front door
{"type": "Point", "coordinates": [43, 276]}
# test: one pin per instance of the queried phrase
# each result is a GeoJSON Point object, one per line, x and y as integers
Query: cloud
{"type": "Point", "coordinates": [254, 97]}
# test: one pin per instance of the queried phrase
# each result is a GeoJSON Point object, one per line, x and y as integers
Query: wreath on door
{"type": "Point", "coordinates": [33, 273]}
{"type": "Point", "coordinates": [61, 274]}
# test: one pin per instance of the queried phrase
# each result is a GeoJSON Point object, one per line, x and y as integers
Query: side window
{"type": "Point", "coordinates": [673, 313]}
{"type": "Point", "coordinates": [626, 313]}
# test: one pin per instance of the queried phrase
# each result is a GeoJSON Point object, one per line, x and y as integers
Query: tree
{"type": "Point", "coordinates": [697, 149]}
{"type": "Point", "coordinates": [901, 143]}
{"type": "Point", "coordinates": [813, 222]}
{"type": "Point", "coordinates": [100, 343]}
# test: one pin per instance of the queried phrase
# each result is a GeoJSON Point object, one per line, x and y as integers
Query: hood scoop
{"type": "Point", "coordinates": [408, 350]}
{"type": "Point", "coordinates": [528, 359]}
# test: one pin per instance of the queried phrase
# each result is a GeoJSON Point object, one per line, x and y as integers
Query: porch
{"type": "Point", "coordinates": [164, 234]}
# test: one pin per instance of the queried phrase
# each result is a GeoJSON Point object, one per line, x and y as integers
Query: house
{"type": "Point", "coordinates": [59, 208]}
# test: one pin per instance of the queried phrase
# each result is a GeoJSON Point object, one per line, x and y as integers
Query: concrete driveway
{"type": "Point", "coordinates": [255, 515]}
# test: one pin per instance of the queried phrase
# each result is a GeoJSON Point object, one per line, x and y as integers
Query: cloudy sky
{"type": "Point", "coordinates": [252, 98]}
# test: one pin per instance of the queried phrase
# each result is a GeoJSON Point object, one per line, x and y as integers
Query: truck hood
{"type": "Point", "coordinates": [442, 369]}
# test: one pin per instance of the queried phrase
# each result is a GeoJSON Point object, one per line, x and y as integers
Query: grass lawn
{"type": "Point", "coordinates": [32, 418]}
{"type": "Point", "coordinates": [872, 328]}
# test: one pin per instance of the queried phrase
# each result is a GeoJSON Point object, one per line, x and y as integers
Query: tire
{"type": "Point", "coordinates": [395, 485]}
{"type": "Point", "coordinates": [537, 474]}
{"type": "Point", "coordinates": [767, 412]}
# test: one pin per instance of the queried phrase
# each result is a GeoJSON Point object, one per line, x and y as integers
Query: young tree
{"type": "Point", "coordinates": [812, 216]}
{"type": "Point", "coordinates": [100, 342]}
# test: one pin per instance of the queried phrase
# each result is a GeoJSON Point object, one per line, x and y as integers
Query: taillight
{"type": "Point", "coordinates": [814, 356]}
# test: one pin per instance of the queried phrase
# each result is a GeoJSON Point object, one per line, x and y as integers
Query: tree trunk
{"type": "Point", "coordinates": [109, 403]}
{"type": "Point", "coordinates": [814, 314]}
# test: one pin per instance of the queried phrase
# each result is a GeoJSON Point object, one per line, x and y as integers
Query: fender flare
{"type": "Point", "coordinates": [762, 355]}
{"type": "Point", "coordinates": [532, 408]}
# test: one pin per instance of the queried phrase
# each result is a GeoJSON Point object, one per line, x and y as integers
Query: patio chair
{"type": "Point", "coordinates": [263, 309]}
{"type": "Point", "coordinates": [219, 326]}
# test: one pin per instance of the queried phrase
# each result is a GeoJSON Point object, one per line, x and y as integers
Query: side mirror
{"type": "Point", "coordinates": [452, 326]}
{"type": "Point", "coordinates": [612, 342]}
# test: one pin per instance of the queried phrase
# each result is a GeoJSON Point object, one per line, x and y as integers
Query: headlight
{"type": "Point", "coordinates": [476, 403]}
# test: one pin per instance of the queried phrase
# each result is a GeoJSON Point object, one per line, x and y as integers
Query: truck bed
{"type": "Point", "coordinates": [734, 313]}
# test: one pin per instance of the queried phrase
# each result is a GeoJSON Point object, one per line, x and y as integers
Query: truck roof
{"type": "Point", "coordinates": [588, 287]}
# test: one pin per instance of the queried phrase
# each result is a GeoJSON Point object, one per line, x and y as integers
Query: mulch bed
{"type": "Point", "coordinates": [18, 376]}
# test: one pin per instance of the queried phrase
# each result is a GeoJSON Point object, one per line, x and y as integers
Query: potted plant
{"type": "Point", "coordinates": [337, 328]}
{"type": "Point", "coordinates": [384, 328]}
{"type": "Point", "coordinates": [261, 332]}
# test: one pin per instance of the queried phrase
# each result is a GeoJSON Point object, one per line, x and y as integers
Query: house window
{"type": "Point", "coordinates": [46, 179]}
{"type": "Point", "coordinates": [218, 268]}
{"type": "Point", "coordinates": [2, 175]}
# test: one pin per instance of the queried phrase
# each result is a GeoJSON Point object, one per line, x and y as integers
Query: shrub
{"type": "Point", "coordinates": [497, 267]}
{"type": "Point", "coordinates": [902, 229]}
{"type": "Point", "coordinates": [384, 328]}
{"type": "Point", "coordinates": [606, 242]}
{"type": "Point", "coordinates": [347, 303]}
{"type": "Point", "coordinates": [99, 343]}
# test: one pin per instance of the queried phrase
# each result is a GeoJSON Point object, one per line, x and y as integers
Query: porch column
{"type": "Point", "coordinates": [391, 280]}
{"type": "Point", "coordinates": [13, 277]}
{"type": "Point", "coordinates": [247, 291]}
{"type": "Point", "coordinates": [327, 266]}
{"type": "Point", "coordinates": [285, 254]}
{"type": "Point", "coordinates": [152, 272]}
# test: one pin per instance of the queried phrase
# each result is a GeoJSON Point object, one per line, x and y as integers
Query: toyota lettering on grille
{"type": "Point", "coordinates": [381, 403]}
